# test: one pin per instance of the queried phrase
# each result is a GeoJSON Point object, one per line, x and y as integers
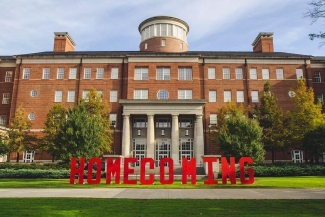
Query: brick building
{"type": "Point", "coordinates": [163, 98]}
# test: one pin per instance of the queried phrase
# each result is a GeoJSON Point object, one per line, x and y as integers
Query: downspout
{"type": "Point", "coordinates": [122, 97]}
{"type": "Point", "coordinates": [246, 80]}
{"type": "Point", "coordinates": [79, 79]}
{"type": "Point", "coordinates": [204, 112]}
{"type": "Point", "coordinates": [306, 73]}
{"type": "Point", "coordinates": [16, 94]}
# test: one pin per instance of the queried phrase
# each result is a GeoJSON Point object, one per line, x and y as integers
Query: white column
{"type": "Point", "coordinates": [151, 137]}
{"type": "Point", "coordinates": [175, 140]}
{"type": "Point", "coordinates": [199, 140]}
{"type": "Point", "coordinates": [126, 136]}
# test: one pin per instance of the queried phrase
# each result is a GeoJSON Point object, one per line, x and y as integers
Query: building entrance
{"type": "Point", "coordinates": [162, 150]}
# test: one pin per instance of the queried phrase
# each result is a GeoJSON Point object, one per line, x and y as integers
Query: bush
{"type": "Point", "coordinates": [45, 166]}
{"type": "Point", "coordinates": [34, 173]}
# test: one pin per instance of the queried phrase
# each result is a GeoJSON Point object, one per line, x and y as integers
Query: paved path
{"type": "Point", "coordinates": [168, 193]}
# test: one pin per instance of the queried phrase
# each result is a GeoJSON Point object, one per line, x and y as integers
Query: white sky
{"type": "Point", "coordinates": [27, 26]}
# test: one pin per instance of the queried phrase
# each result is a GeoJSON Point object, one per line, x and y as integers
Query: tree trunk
{"type": "Point", "coordinates": [8, 157]}
{"type": "Point", "coordinates": [53, 158]}
{"type": "Point", "coordinates": [273, 156]}
{"type": "Point", "coordinates": [17, 159]}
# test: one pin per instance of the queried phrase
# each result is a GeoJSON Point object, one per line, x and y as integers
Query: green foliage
{"type": "Point", "coordinates": [34, 173]}
{"type": "Point", "coordinates": [230, 109]}
{"type": "Point", "coordinates": [241, 137]}
{"type": "Point", "coordinates": [4, 147]}
{"type": "Point", "coordinates": [46, 166]}
{"type": "Point", "coordinates": [314, 143]}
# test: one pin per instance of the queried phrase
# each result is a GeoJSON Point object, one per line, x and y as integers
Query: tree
{"type": "Point", "coordinates": [316, 12]}
{"type": "Point", "coordinates": [20, 138]}
{"type": "Point", "coordinates": [4, 147]}
{"type": "Point", "coordinates": [306, 115]}
{"type": "Point", "coordinates": [314, 143]}
{"type": "Point", "coordinates": [241, 136]}
{"type": "Point", "coordinates": [228, 110]}
{"type": "Point", "coordinates": [270, 117]}
{"type": "Point", "coordinates": [54, 118]}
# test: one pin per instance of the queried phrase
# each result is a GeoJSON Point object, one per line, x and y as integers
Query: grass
{"type": "Point", "coordinates": [184, 207]}
{"type": "Point", "coordinates": [260, 182]}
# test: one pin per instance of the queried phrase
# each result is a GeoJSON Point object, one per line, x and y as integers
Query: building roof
{"type": "Point", "coordinates": [7, 58]}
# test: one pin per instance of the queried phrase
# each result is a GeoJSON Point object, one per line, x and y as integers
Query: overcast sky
{"type": "Point", "coordinates": [27, 26]}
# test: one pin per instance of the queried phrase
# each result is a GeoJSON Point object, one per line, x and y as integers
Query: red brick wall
{"type": "Point", "coordinates": [6, 87]}
{"type": "Point", "coordinates": [172, 45]}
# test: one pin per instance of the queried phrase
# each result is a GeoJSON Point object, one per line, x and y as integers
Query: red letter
{"type": "Point", "coordinates": [113, 169]}
{"type": "Point", "coordinates": [91, 162]}
{"type": "Point", "coordinates": [230, 171]}
{"type": "Point", "coordinates": [79, 171]}
{"type": "Point", "coordinates": [151, 179]}
{"type": "Point", "coordinates": [189, 169]}
{"type": "Point", "coordinates": [170, 171]}
{"type": "Point", "coordinates": [250, 171]}
{"type": "Point", "coordinates": [128, 171]}
{"type": "Point", "coordinates": [210, 161]}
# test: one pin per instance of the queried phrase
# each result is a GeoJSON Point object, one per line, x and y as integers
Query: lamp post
{"type": "Point", "coordinates": [114, 139]}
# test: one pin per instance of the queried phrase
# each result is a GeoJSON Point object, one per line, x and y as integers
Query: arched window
{"type": "Point", "coordinates": [162, 94]}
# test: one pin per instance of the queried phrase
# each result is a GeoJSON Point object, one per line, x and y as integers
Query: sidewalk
{"type": "Point", "coordinates": [168, 193]}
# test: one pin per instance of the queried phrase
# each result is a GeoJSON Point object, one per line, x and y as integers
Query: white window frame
{"type": "Point", "coordinates": [163, 42]}
{"type": "Point", "coordinates": [31, 116]}
{"type": "Point", "coordinates": [60, 73]}
{"type": "Point", "coordinates": [113, 96]}
{"type": "Point", "coordinates": [319, 96]}
{"type": "Point", "coordinates": [254, 95]}
{"type": "Point", "coordinates": [8, 77]}
{"type": "Point", "coordinates": [239, 73]}
{"type": "Point", "coordinates": [71, 96]}
{"type": "Point", "coordinates": [73, 73]}
{"type": "Point", "coordinates": [26, 73]}
{"type": "Point", "coordinates": [3, 120]}
{"type": "Point", "coordinates": [140, 94]}
{"type": "Point", "coordinates": [213, 119]}
{"type": "Point", "coordinates": [212, 96]}
{"type": "Point", "coordinates": [100, 73]}
{"type": "Point", "coordinates": [112, 119]}
{"type": "Point", "coordinates": [163, 73]}
{"type": "Point", "coordinates": [317, 77]}
{"type": "Point", "coordinates": [114, 73]}
{"type": "Point", "coordinates": [299, 74]}
{"type": "Point", "coordinates": [185, 94]}
{"type": "Point", "coordinates": [33, 93]}
{"type": "Point", "coordinates": [87, 73]}
{"type": "Point", "coordinates": [46, 73]}
{"type": "Point", "coordinates": [265, 74]}
{"type": "Point", "coordinates": [58, 96]}
{"type": "Point", "coordinates": [162, 94]}
{"type": "Point", "coordinates": [227, 95]}
{"type": "Point", "coordinates": [84, 95]}
{"type": "Point", "coordinates": [253, 73]}
{"type": "Point", "coordinates": [141, 73]}
{"type": "Point", "coordinates": [211, 73]}
{"type": "Point", "coordinates": [5, 98]}
{"type": "Point", "coordinates": [226, 73]}
{"type": "Point", "coordinates": [279, 74]}
{"type": "Point", "coordinates": [240, 96]}
{"type": "Point", "coordinates": [184, 74]}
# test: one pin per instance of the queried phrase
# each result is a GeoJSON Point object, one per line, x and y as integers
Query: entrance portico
{"type": "Point", "coordinates": [163, 128]}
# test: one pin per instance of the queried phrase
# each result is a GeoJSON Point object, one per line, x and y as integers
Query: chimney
{"type": "Point", "coordinates": [263, 42]}
{"type": "Point", "coordinates": [63, 42]}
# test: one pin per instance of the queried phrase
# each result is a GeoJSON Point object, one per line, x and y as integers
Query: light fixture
{"type": "Point", "coordinates": [186, 132]}
{"type": "Point", "coordinates": [139, 132]}
{"type": "Point", "coordinates": [162, 132]}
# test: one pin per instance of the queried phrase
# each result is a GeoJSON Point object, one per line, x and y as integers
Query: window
{"type": "Point", "coordinates": [46, 73]}
{"type": "Point", "coordinates": [317, 77]}
{"type": "Point", "coordinates": [73, 73]}
{"type": "Point", "coordinates": [8, 77]}
{"type": "Point", "coordinates": [226, 73]}
{"type": "Point", "coordinates": [113, 96]}
{"type": "Point", "coordinates": [31, 116]}
{"type": "Point", "coordinates": [254, 95]}
{"type": "Point", "coordinates": [100, 93]}
{"type": "Point", "coordinates": [162, 94]}
{"type": "Point", "coordinates": [163, 123]}
{"type": "Point", "coordinates": [299, 74]}
{"type": "Point", "coordinates": [181, 46]}
{"type": "Point", "coordinates": [87, 73]}
{"type": "Point", "coordinates": [60, 74]}
{"type": "Point", "coordinates": [227, 96]}
{"type": "Point", "coordinates": [279, 74]}
{"type": "Point", "coordinates": [212, 96]}
{"type": "Point", "coordinates": [33, 93]}
{"type": "Point", "coordinates": [140, 94]}
{"type": "Point", "coordinates": [112, 118]}
{"type": "Point", "coordinates": [58, 96]}
{"type": "Point", "coordinates": [5, 98]}
{"type": "Point", "coordinates": [240, 96]}
{"type": "Point", "coordinates": [3, 120]}
{"type": "Point", "coordinates": [163, 73]}
{"type": "Point", "coordinates": [184, 74]}
{"type": "Point", "coordinates": [114, 73]}
{"type": "Point", "coordinates": [100, 73]}
{"type": "Point", "coordinates": [185, 123]}
{"type": "Point", "coordinates": [71, 96]}
{"type": "Point", "coordinates": [26, 73]}
{"type": "Point", "coordinates": [265, 74]}
{"type": "Point", "coordinates": [213, 119]}
{"type": "Point", "coordinates": [163, 42]}
{"type": "Point", "coordinates": [140, 123]}
{"type": "Point", "coordinates": [319, 97]}
{"type": "Point", "coordinates": [145, 46]}
{"type": "Point", "coordinates": [85, 95]}
{"type": "Point", "coordinates": [239, 73]}
{"type": "Point", "coordinates": [141, 73]}
{"type": "Point", "coordinates": [211, 73]}
{"type": "Point", "coordinates": [253, 73]}
{"type": "Point", "coordinates": [184, 94]}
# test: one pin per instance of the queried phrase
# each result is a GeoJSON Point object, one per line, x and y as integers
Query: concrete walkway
{"type": "Point", "coordinates": [168, 193]}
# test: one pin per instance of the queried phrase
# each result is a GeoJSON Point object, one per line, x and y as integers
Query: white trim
{"type": "Point", "coordinates": [2, 64]}
{"type": "Point", "coordinates": [317, 65]}
{"type": "Point", "coordinates": [162, 59]}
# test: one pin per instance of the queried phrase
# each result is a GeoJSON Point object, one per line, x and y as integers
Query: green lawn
{"type": "Point", "coordinates": [182, 207]}
{"type": "Point", "coordinates": [260, 182]}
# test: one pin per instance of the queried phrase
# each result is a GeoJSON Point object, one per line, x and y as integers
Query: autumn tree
{"type": "Point", "coordinates": [4, 147]}
{"type": "Point", "coordinates": [228, 110]}
{"type": "Point", "coordinates": [270, 117]}
{"type": "Point", "coordinates": [315, 12]}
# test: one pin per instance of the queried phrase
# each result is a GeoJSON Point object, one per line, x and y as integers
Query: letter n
{"type": "Point", "coordinates": [79, 171]}
{"type": "Point", "coordinates": [113, 169]}
{"type": "Point", "coordinates": [227, 170]}
{"type": "Point", "coordinates": [189, 169]}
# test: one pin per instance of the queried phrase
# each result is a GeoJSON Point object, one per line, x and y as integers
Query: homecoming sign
{"type": "Point", "coordinates": [113, 171]}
